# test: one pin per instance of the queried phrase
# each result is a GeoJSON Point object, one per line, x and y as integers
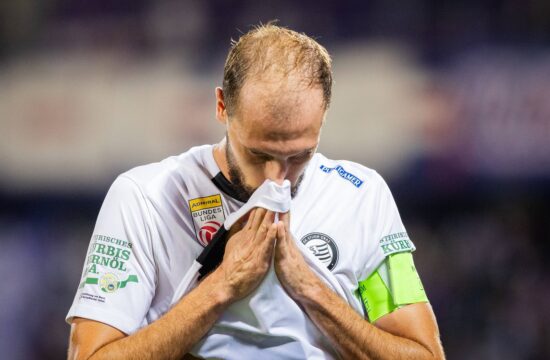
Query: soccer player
{"type": "Point", "coordinates": [331, 278]}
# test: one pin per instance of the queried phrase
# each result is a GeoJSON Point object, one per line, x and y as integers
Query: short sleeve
{"type": "Point", "coordinates": [385, 233]}
{"type": "Point", "coordinates": [390, 231]}
{"type": "Point", "coordinates": [389, 279]}
{"type": "Point", "coordinates": [118, 278]}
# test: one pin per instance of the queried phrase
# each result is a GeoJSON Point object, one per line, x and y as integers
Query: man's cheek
{"type": "Point", "coordinates": [254, 175]}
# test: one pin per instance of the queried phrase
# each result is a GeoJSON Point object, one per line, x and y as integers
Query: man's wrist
{"type": "Point", "coordinates": [219, 290]}
{"type": "Point", "coordinates": [311, 290]}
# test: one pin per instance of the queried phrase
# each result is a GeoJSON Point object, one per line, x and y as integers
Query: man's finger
{"type": "Point", "coordinates": [238, 226]}
{"type": "Point", "coordinates": [258, 218]}
{"type": "Point", "coordinates": [285, 218]}
{"type": "Point", "coordinates": [264, 226]}
{"type": "Point", "coordinates": [266, 244]}
{"type": "Point", "coordinates": [246, 219]}
{"type": "Point", "coordinates": [250, 218]}
{"type": "Point", "coordinates": [281, 232]}
{"type": "Point", "coordinates": [269, 217]}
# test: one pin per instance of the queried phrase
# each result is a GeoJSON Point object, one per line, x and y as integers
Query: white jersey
{"type": "Point", "coordinates": [156, 219]}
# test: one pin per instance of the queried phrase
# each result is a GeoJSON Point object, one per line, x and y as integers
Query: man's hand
{"type": "Point", "coordinates": [408, 333]}
{"type": "Point", "coordinates": [247, 258]}
{"type": "Point", "coordinates": [248, 253]}
{"type": "Point", "coordinates": [290, 266]}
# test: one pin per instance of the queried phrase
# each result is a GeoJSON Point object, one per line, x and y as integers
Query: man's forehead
{"type": "Point", "coordinates": [279, 111]}
{"type": "Point", "coordinates": [279, 97]}
{"type": "Point", "coordinates": [273, 131]}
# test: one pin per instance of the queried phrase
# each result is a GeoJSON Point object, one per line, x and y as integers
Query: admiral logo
{"type": "Point", "coordinates": [322, 247]}
{"type": "Point", "coordinates": [208, 217]}
{"type": "Point", "coordinates": [205, 203]}
{"type": "Point", "coordinates": [343, 174]}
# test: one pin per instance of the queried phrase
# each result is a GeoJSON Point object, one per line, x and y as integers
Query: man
{"type": "Point", "coordinates": [263, 300]}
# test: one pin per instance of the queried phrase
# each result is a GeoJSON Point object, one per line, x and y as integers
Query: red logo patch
{"type": "Point", "coordinates": [207, 231]}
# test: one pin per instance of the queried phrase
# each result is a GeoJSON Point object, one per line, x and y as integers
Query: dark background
{"type": "Point", "coordinates": [449, 101]}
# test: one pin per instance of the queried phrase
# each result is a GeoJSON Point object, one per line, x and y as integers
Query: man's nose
{"type": "Point", "coordinates": [276, 170]}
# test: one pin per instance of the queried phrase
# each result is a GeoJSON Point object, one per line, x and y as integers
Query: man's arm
{"type": "Point", "coordinates": [408, 333]}
{"type": "Point", "coordinates": [170, 337]}
{"type": "Point", "coordinates": [174, 334]}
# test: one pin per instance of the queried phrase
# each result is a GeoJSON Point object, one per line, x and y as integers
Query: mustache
{"type": "Point", "coordinates": [236, 177]}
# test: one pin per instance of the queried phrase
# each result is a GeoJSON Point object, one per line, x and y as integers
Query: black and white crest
{"type": "Point", "coordinates": [323, 247]}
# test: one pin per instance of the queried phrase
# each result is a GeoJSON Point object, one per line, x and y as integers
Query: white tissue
{"type": "Point", "coordinates": [270, 196]}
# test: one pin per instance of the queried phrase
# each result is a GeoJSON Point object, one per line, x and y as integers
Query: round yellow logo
{"type": "Point", "coordinates": [109, 283]}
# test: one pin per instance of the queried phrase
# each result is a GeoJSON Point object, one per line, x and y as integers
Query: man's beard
{"type": "Point", "coordinates": [236, 177]}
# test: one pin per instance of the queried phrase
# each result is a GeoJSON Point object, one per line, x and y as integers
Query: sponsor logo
{"type": "Point", "coordinates": [322, 247]}
{"type": "Point", "coordinates": [208, 217]}
{"type": "Point", "coordinates": [108, 283]}
{"type": "Point", "coordinates": [396, 243]}
{"type": "Point", "coordinates": [92, 297]}
{"type": "Point", "coordinates": [108, 252]}
{"type": "Point", "coordinates": [207, 232]}
{"type": "Point", "coordinates": [108, 260]}
{"type": "Point", "coordinates": [343, 174]}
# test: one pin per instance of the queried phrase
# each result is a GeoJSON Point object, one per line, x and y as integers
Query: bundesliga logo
{"type": "Point", "coordinates": [208, 217]}
{"type": "Point", "coordinates": [207, 232]}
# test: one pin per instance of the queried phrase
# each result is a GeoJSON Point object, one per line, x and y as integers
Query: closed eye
{"type": "Point", "coordinates": [263, 157]}
{"type": "Point", "coordinates": [260, 156]}
{"type": "Point", "coordinates": [302, 157]}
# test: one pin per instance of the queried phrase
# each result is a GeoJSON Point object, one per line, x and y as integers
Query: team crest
{"type": "Point", "coordinates": [322, 247]}
{"type": "Point", "coordinates": [208, 217]}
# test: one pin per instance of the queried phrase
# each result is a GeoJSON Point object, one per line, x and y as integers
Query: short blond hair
{"type": "Point", "coordinates": [275, 50]}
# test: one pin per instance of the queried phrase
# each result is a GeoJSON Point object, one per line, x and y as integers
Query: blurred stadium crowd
{"type": "Point", "coordinates": [449, 101]}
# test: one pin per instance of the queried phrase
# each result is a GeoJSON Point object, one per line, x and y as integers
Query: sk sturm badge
{"type": "Point", "coordinates": [208, 217]}
{"type": "Point", "coordinates": [322, 247]}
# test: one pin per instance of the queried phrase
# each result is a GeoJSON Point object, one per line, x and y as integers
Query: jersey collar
{"type": "Point", "coordinates": [227, 187]}
{"type": "Point", "coordinates": [217, 178]}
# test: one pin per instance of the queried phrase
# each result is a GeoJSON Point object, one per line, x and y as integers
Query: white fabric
{"type": "Point", "coordinates": [189, 280]}
{"type": "Point", "coordinates": [269, 195]}
{"type": "Point", "coordinates": [146, 240]}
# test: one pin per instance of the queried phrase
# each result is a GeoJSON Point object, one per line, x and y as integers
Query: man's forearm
{"type": "Point", "coordinates": [175, 333]}
{"type": "Point", "coordinates": [354, 337]}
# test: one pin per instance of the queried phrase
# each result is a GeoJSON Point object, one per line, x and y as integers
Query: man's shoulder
{"type": "Point", "coordinates": [345, 171]}
{"type": "Point", "coordinates": [172, 171]}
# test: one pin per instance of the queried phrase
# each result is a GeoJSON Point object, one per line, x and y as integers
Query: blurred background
{"type": "Point", "coordinates": [449, 101]}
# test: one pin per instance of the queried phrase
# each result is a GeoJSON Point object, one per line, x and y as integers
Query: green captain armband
{"type": "Point", "coordinates": [394, 284]}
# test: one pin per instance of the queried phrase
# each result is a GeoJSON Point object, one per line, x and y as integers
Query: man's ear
{"type": "Point", "coordinates": [221, 112]}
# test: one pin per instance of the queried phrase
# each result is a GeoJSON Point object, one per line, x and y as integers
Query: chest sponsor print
{"type": "Point", "coordinates": [322, 247]}
{"type": "Point", "coordinates": [343, 174]}
{"type": "Point", "coordinates": [208, 217]}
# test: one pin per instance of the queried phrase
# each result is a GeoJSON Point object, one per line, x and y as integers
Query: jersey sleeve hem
{"type": "Point", "coordinates": [114, 319]}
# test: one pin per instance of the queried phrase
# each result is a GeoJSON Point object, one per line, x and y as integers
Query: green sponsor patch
{"type": "Point", "coordinates": [107, 252]}
{"type": "Point", "coordinates": [107, 260]}
{"type": "Point", "coordinates": [109, 282]}
{"type": "Point", "coordinates": [396, 243]}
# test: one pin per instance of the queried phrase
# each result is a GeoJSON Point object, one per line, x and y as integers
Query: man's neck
{"type": "Point", "coordinates": [219, 152]}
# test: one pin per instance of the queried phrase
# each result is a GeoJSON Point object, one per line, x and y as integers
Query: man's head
{"type": "Point", "coordinates": [276, 90]}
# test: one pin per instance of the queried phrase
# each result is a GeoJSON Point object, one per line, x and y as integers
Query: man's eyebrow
{"type": "Point", "coordinates": [261, 152]}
